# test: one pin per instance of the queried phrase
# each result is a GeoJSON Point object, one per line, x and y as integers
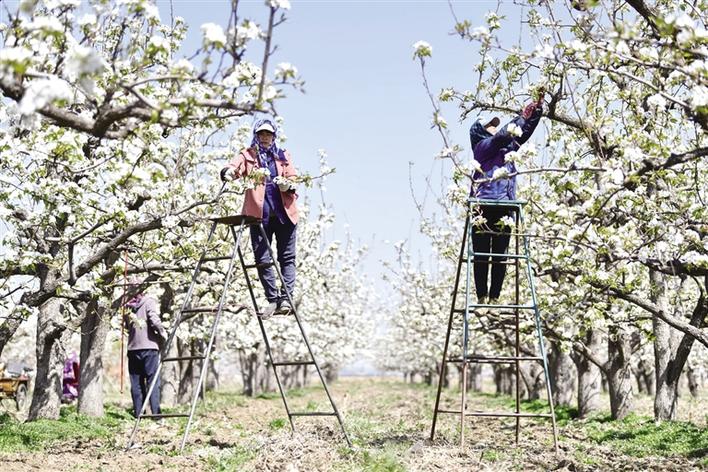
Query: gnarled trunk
{"type": "Point", "coordinates": [94, 328]}
{"type": "Point", "coordinates": [666, 341]}
{"type": "Point", "coordinates": [46, 399]}
{"type": "Point", "coordinates": [169, 380]}
{"type": "Point", "coordinates": [619, 374]}
{"type": "Point", "coordinates": [562, 375]}
{"type": "Point", "coordinates": [589, 376]}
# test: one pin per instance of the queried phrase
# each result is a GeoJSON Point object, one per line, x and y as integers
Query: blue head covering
{"type": "Point", "coordinates": [273, 150]}
{"type": "Point", "coordinates": [478, 131]}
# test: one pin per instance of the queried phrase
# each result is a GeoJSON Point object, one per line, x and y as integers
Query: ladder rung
{"type": "Point", "coordinates": [499, 414]}
{"type": "Point", "coordinates": [494, 262]}
{"type": "Point", "coordinates": [203, 309]}
{"type": "Point", "coordinates": [490, 202]}
{"type": "Point", "coordinates": [476, 305]}
{"type": "Point", "coordinates": [166, 415]}
{"type": "Point", "coordinates": [313, 413]}
{"type": "Point", "coordinates": [183, 358]}
{"type": "Point", "coordinates": [494, 360]}
{"type": "Point", "coordinates": [494, 254]}
{"type": "Point", "coordinates": [520, 307]}
{"type": "Point", "coordinates": [259, 266]}
{"type": "Point", "coordinates": [279, 364]}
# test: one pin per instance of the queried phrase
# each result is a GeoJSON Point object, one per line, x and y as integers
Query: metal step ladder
{"type": "Point", "coordinates": [237, 225]}
{"type": "Point", "coordinates": [466, 256]}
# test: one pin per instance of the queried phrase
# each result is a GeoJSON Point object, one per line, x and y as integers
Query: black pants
{"type": "Point", "coordinates": [142, 367]}
{"type": "Point", "coordinates": [490, 243]}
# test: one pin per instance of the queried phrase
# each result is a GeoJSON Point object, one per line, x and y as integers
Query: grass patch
{"type": "Point", "coordinates": [268, 395]}
{"type": "Point", "coordinates": [639, 436]}
{"type": "Point", "coordinates": [233, 460]}
{"type": "Point", "coordinates": [383, 462]}
{"type": "Point", "coordinates": [38, 435]}
{"type": "Point", "coordinates": [276, 424]}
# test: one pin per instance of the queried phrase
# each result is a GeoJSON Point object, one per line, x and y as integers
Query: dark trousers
{"type": "Point", "coordinates": [490, 243]}
{"type": "Point", "coordinates": [142, 367]}
{"type": "Point", "coordinates": [285, 235]}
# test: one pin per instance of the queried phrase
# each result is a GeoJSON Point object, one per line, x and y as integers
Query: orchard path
{"type": "Point", "coordinates": [389, 422]}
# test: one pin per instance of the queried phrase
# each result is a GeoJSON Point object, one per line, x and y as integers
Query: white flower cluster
{"type": "Point", "coordinates": [422, 49]}
{"type": "Point", "coordinates": [213, 35]}
{"type": "Point", "coordinates": [514, 130]}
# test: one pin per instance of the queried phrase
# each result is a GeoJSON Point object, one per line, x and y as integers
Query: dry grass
{"type": "Point", "coordinates": [388, 422]}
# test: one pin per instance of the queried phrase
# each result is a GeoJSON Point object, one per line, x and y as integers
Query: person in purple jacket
{"type": "Point", "coordinates": [145, 336]}
{"type": "Point", "coordinates": [490, 145]}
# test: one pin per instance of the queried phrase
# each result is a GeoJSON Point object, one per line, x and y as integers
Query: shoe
{"type": "Point", "coordinates": [284, 308]}
{"type": "Point", "coordinates": [269, 310]}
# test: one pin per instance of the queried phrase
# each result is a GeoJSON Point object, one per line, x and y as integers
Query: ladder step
{"type": "Point", "coordinates": [500, 414]}
{"type": "Point", "coordinates": [493, 254]}
{"type": "Point", "coordinates": [478, 305]}
{"type": "Point", "coordinates": [183, 358]}
{"type": "Point", "coordinates": [313, 413]}
{"type": "Point", "coordinates": [279, 364]}
{"type": "Point", "coordinates": [494, 359]}
{"type": "Point", "coordinates": [166, 415]}
{"type": "Point", "coordinates": [203, 309]}
{"type": "Point", "coordinates": [259, 266]}
{"type": "Point", "coordinates": [511, 263]}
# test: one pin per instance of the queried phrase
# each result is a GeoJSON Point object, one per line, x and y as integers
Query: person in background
{"type": "Point", "coordinates": [273, 199]}
{"type": "Point", "coordinates": [70, 379]}
{"type": "Point", "coordinates": [490, 146]}
{"type": "Point", "coordinates": [145, 337]}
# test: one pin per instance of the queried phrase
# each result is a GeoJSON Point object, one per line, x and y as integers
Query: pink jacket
{"type": "Point", "coordinates": [246, 162]}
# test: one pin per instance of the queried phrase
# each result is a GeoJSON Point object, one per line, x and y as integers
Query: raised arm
{"type": "Point", "coordinates": [235, 168]}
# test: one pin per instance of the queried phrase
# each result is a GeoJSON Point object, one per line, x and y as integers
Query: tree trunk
{"type": "Point", "coordinates": [169, 379]}
{"type": "Point", "coordinates": [562, 375]}
{"type": "Point", "coordinates": [255, 372]}
{"type": "Point", "coordinates": [46, 399]}
{"type": "Point", "coordinates": [666, 341]}
{"type": "Point", "coordinates": [474, 378]}
{"type": "Point", "coordinates": [533, 381]}
{"type": "Point", "coordinates": [589, 377]}
{"type": "Point", "coordinates": [619, 373]}
{"type": "Point", "coordinates": [694, 381]}
{"type": "Point", "coordinates": [94, 328]}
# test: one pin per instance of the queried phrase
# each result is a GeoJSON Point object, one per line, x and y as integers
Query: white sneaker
{"type": "Point", "coordinates": [269, 310]}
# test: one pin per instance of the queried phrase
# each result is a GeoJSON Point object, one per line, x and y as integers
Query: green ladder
{"type": "Point", "coordinates": [467, 255]}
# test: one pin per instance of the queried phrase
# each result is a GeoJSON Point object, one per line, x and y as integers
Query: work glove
{"type": "Point", "coordinates": [284, 184]}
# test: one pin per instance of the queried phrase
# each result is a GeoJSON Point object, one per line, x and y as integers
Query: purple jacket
{"type": "Point", "coordinates": [148, 332]}
{"type": "Point", "coordinates": [489, 150]}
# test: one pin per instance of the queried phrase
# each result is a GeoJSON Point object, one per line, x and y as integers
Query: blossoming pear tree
{"type": "Point", "coordinates": [616, 196]}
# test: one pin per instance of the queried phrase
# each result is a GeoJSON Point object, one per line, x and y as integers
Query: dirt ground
{"type": "Point", "coordinates": [387, 420]}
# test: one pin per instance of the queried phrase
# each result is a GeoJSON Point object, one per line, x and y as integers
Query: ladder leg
{"type": "Point", "coordinates": [207, 352]}
{"type": "Point", "coordinates": [307, 342]}
{"type": "Point", "coordinates": [443, 364]}
{"type": "Point", "coordinates": [541, 344]}
{"type": "Point", "coordinates": [269, 352]}
{"type": "Point", "coordinates": [465, 333]}
{"type": "Point", "coordinates": [517, 351]}
{"type": "Point", "coordinates": [173, 332]}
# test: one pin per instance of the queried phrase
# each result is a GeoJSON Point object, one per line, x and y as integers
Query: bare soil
{"type": "Point", "coordinates": [387, 420]}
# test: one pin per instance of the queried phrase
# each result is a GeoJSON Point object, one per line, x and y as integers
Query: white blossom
{"type": "Point", "coordinates": [422, 49]}
{"type": "Point", "coordinates": [42, 92]}
{"type": "Point", "coordinates": [213, 34]}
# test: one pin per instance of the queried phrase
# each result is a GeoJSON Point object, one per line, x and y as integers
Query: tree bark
{"type": "Point", "coordinates": [666, 341]}
{"type": "Point", "coordinates": [589, 376]}
{"type": "Point", "coordinates": [169, 380]}
{"type": "Point", "coordinates": [46, 399]}
{"type": "Point", "coordinates": [619, 373]}
{"type": "Point", "coordinates": [255, 372]}
{"type": "Point", "coordinates": [94, 328]}
{"type": "Point", "coordinates": [562, 375]}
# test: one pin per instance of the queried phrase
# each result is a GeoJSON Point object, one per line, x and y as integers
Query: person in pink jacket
{"type": "Point", "coordinates": [273, 199]}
